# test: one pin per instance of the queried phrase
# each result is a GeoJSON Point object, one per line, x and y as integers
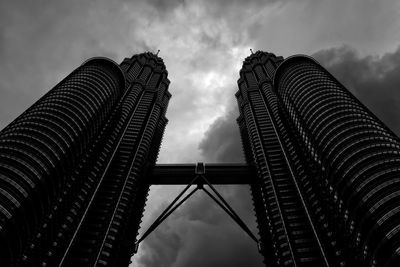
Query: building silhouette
{"type": "Point", "coordinates": [75, 167]}
{"type": "Point", "coordinates": [326, 192]}
{"type": "Point", "coordinates": [72, 165]}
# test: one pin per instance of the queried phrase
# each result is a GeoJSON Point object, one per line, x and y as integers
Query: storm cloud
{"type": "Point", "coordinates": [373, 79]}
{"type": "Point", "coordinates": [221, 142]}
{"type": "Point", "coordinates": [201, 234]}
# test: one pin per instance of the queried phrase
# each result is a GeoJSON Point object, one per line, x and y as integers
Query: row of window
{"type": "Point", "coordinates": [349, 140]}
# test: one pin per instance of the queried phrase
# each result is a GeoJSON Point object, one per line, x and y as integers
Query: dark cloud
{"type": "Point", "coordinates": [375, 80]}
{"type": "Point", "coordinates": [164, 7]}
{"type": "Point", "coordinates": [306, 26]}
{"type": "Point", "coordinates": [221, 142]}
{"type": "Point", "coordinates": [42, 41]}
{"type": "Point", "coordinates": [204, 235]}
{"type": "Point", "coordinates": [215, 8]}
{"type": "Point", "coordinates": [229, 9]}
{"type": "Point", "coordinates": [162, 248]}
{"type": "Point", "coordinates": [228, 18]}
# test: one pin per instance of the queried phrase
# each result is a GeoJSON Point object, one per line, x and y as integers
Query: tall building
{"type": "Point", "coordinates": [327, 188]}
{"type": "Point", "coordinates": [75, 168]}
{"type": "Point", "coordinates": [72, 166]}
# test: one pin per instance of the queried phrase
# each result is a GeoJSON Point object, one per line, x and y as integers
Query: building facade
{"type": "Point", "coordinates": [72, 166]}
{"type": "Point", "coordinates": [326, 192]}
{"type": "Point", "coordinates": [75, 167]}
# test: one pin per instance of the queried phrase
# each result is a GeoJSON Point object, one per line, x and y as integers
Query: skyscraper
{"type": "Point", "coordinates": [327, 189]}
{"type": "Point", "coordinates": [72, 165]}
{"type": "Point", "coordinates": [75, 168]}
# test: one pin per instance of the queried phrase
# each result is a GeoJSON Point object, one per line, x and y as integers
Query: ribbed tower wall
{"type": "Point", "coordinates": [287, 225]}
{"type": "Point", "coordinates": [73, 166]}
{"type": "Point", "coordinates": [358, 157]}
{"type": "Point", "coordinates": [107, 230]}
{"type": "Point", "coordinates": [39, 150]}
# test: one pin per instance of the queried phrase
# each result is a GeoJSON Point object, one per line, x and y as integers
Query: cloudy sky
{"type": "Point", "coordinates": [203, 44]}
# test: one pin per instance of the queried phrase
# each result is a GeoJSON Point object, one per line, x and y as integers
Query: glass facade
{"type": "Point", "coordinates": [357, 154]}
{"type": "Point", "coordinates": [72, 166]}
{"type": "Point", "coordinates": [327, 189]}
{"type": "Point", "coordinates": [288, 230]}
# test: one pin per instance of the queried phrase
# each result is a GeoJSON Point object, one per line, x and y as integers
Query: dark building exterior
{"type": "Point", "coordinates": [75, 168]}
{"type": "Point", "coordinates": [327, 189]}
{"type": "Point", "coordinates": [72, 166]}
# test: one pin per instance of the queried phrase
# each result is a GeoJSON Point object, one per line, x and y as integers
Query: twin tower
{"type": "Point", "coordinates": [75, 167]}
